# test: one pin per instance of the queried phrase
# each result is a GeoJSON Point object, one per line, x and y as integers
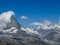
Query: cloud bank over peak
{"type": "Point", "coordinates": [5, 18]}
{"type": "Point", "coordinates": [6, 15]}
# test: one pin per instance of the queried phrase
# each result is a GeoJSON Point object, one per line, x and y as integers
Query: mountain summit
{"type": "Point", "coordinates": [8, 23]}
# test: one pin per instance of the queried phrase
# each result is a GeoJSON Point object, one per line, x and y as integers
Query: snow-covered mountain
{"type": "Point", "coordinates": [11, 32]}
{"type": "Point", "coordinates": [8, 23]}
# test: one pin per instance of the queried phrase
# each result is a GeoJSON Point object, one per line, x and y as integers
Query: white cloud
{"type": "Point", "coordinates": [36, 23]}
{"type": "Point", "coordinates": [57, 25]}
{"type": "Point", "coordinates": [44, 25]}
{"type": "Point", "coordinates": [24, 17]}
{"type": "Point", "coordinates": [46, 22]}
{"type": "Point", "coordinates": [47, 25]}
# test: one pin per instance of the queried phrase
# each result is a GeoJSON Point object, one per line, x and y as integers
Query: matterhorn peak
{"type": "Point", "coordinates": [8, 21]}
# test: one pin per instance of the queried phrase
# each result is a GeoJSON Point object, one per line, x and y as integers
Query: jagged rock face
{"type": "Point", "coordinates": [13, 23]}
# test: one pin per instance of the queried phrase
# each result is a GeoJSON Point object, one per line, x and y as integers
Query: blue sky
{"type": "Point", "coordinates": [35, 10]}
